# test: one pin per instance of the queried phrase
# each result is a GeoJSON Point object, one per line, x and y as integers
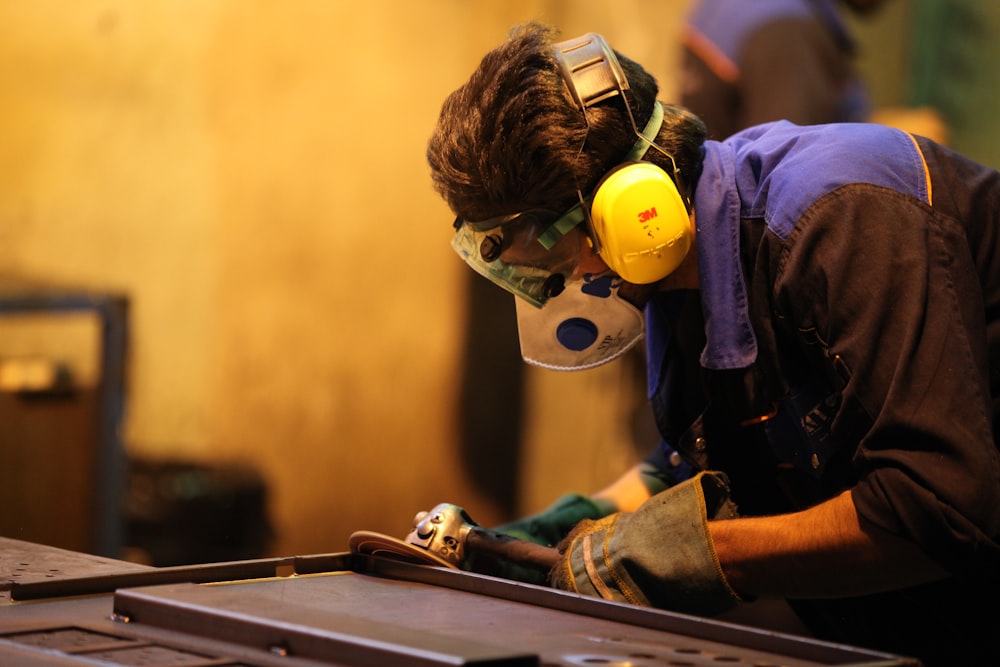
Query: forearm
{"type": "Point", "coordinates": [824, 551]}
{"type": "Point", "coordinates": [627, 492]}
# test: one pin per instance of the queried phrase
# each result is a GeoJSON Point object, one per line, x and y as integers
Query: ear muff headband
{"type": "Point", "coordinates": [577, 214]}
{"type": "Point", "coordinates": [639, 220]}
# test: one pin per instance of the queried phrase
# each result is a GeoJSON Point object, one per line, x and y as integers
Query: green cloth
{"type": "Point", "coordinates": [548, 528]}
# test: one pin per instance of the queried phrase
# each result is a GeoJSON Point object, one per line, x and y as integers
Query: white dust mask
{"type": "Point", "coordinates": [587, 325]}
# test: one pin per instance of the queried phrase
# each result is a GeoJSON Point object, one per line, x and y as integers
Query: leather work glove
{"type": "Point", "coordinates": [549, 527]}
{"type": "Point", "coordinates": [661, 555]}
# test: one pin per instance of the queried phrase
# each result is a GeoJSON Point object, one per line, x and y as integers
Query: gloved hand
{"type": "Point", "coordinates": [661, 555]}
{"type": "Point", "coordinates": [548, 528]}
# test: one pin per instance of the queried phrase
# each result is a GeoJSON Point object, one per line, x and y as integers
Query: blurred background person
{"type": "Point", "coordinates": [746, 63]}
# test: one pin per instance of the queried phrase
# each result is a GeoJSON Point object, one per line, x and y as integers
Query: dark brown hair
{"type": "Point", "coordinates": [510, 138]}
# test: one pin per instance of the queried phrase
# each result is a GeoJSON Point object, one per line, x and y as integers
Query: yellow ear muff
{"type": "Point", "coordinates": [642, 226]}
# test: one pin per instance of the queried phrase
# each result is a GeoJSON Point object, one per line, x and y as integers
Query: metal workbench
{"type": "Point", "coordinates": [61, 608]}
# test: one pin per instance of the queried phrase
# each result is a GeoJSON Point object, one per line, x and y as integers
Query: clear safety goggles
{"type": "Point", "coordinates": [530, 254]}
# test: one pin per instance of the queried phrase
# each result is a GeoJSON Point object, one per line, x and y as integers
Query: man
{"type": "Point", "coordinates": [822, 340]}
{"type": "Point", "coordinates": [746, 63]}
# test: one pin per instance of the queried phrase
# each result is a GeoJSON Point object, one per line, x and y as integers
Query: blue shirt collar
{"type": "Point", "coordinates": [730, 340]}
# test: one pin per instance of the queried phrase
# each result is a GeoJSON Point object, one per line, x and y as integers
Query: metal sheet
{"type": "Point", "coordinates": [379, 620]}
{"type": "Point", "coordinates": [363, 611]}
{"type": "Point", "coordinates": [35, 588]}
{"type": "Point", "coordinates": [22, 562]}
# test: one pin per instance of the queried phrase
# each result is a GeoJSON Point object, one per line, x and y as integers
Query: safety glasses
{"type": "Point", "coordinates": [530, 254]}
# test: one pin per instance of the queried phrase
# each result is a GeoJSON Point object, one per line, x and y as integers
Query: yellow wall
{"type": "Point", "coordinates": [252, 175]}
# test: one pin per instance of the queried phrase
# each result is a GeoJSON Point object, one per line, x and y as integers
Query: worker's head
{"type": "Point", "coordinates": [554, 151]}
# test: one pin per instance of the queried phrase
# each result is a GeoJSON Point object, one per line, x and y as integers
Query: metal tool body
{"type": "Point", "coordinates": [447, 536]}
{"type": "Point", "coordinates": [449, 533]}
{"type": "Point", "coordinates": [442, 531]}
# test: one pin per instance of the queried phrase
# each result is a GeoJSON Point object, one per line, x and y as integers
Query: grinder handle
{"type": "Point", "coordinates": [512, 549]}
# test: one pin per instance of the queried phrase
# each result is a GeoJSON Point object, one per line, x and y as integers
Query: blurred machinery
{"type": "Point", "coordinates": [182, 512]}
{"type": "Point", "coordinates": [68, 481]}
{"type": "Point", "coordinates": [62, 379]}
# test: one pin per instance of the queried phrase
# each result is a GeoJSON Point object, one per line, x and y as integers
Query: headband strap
{"type": "Point", "coordinates": [576, 215]}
